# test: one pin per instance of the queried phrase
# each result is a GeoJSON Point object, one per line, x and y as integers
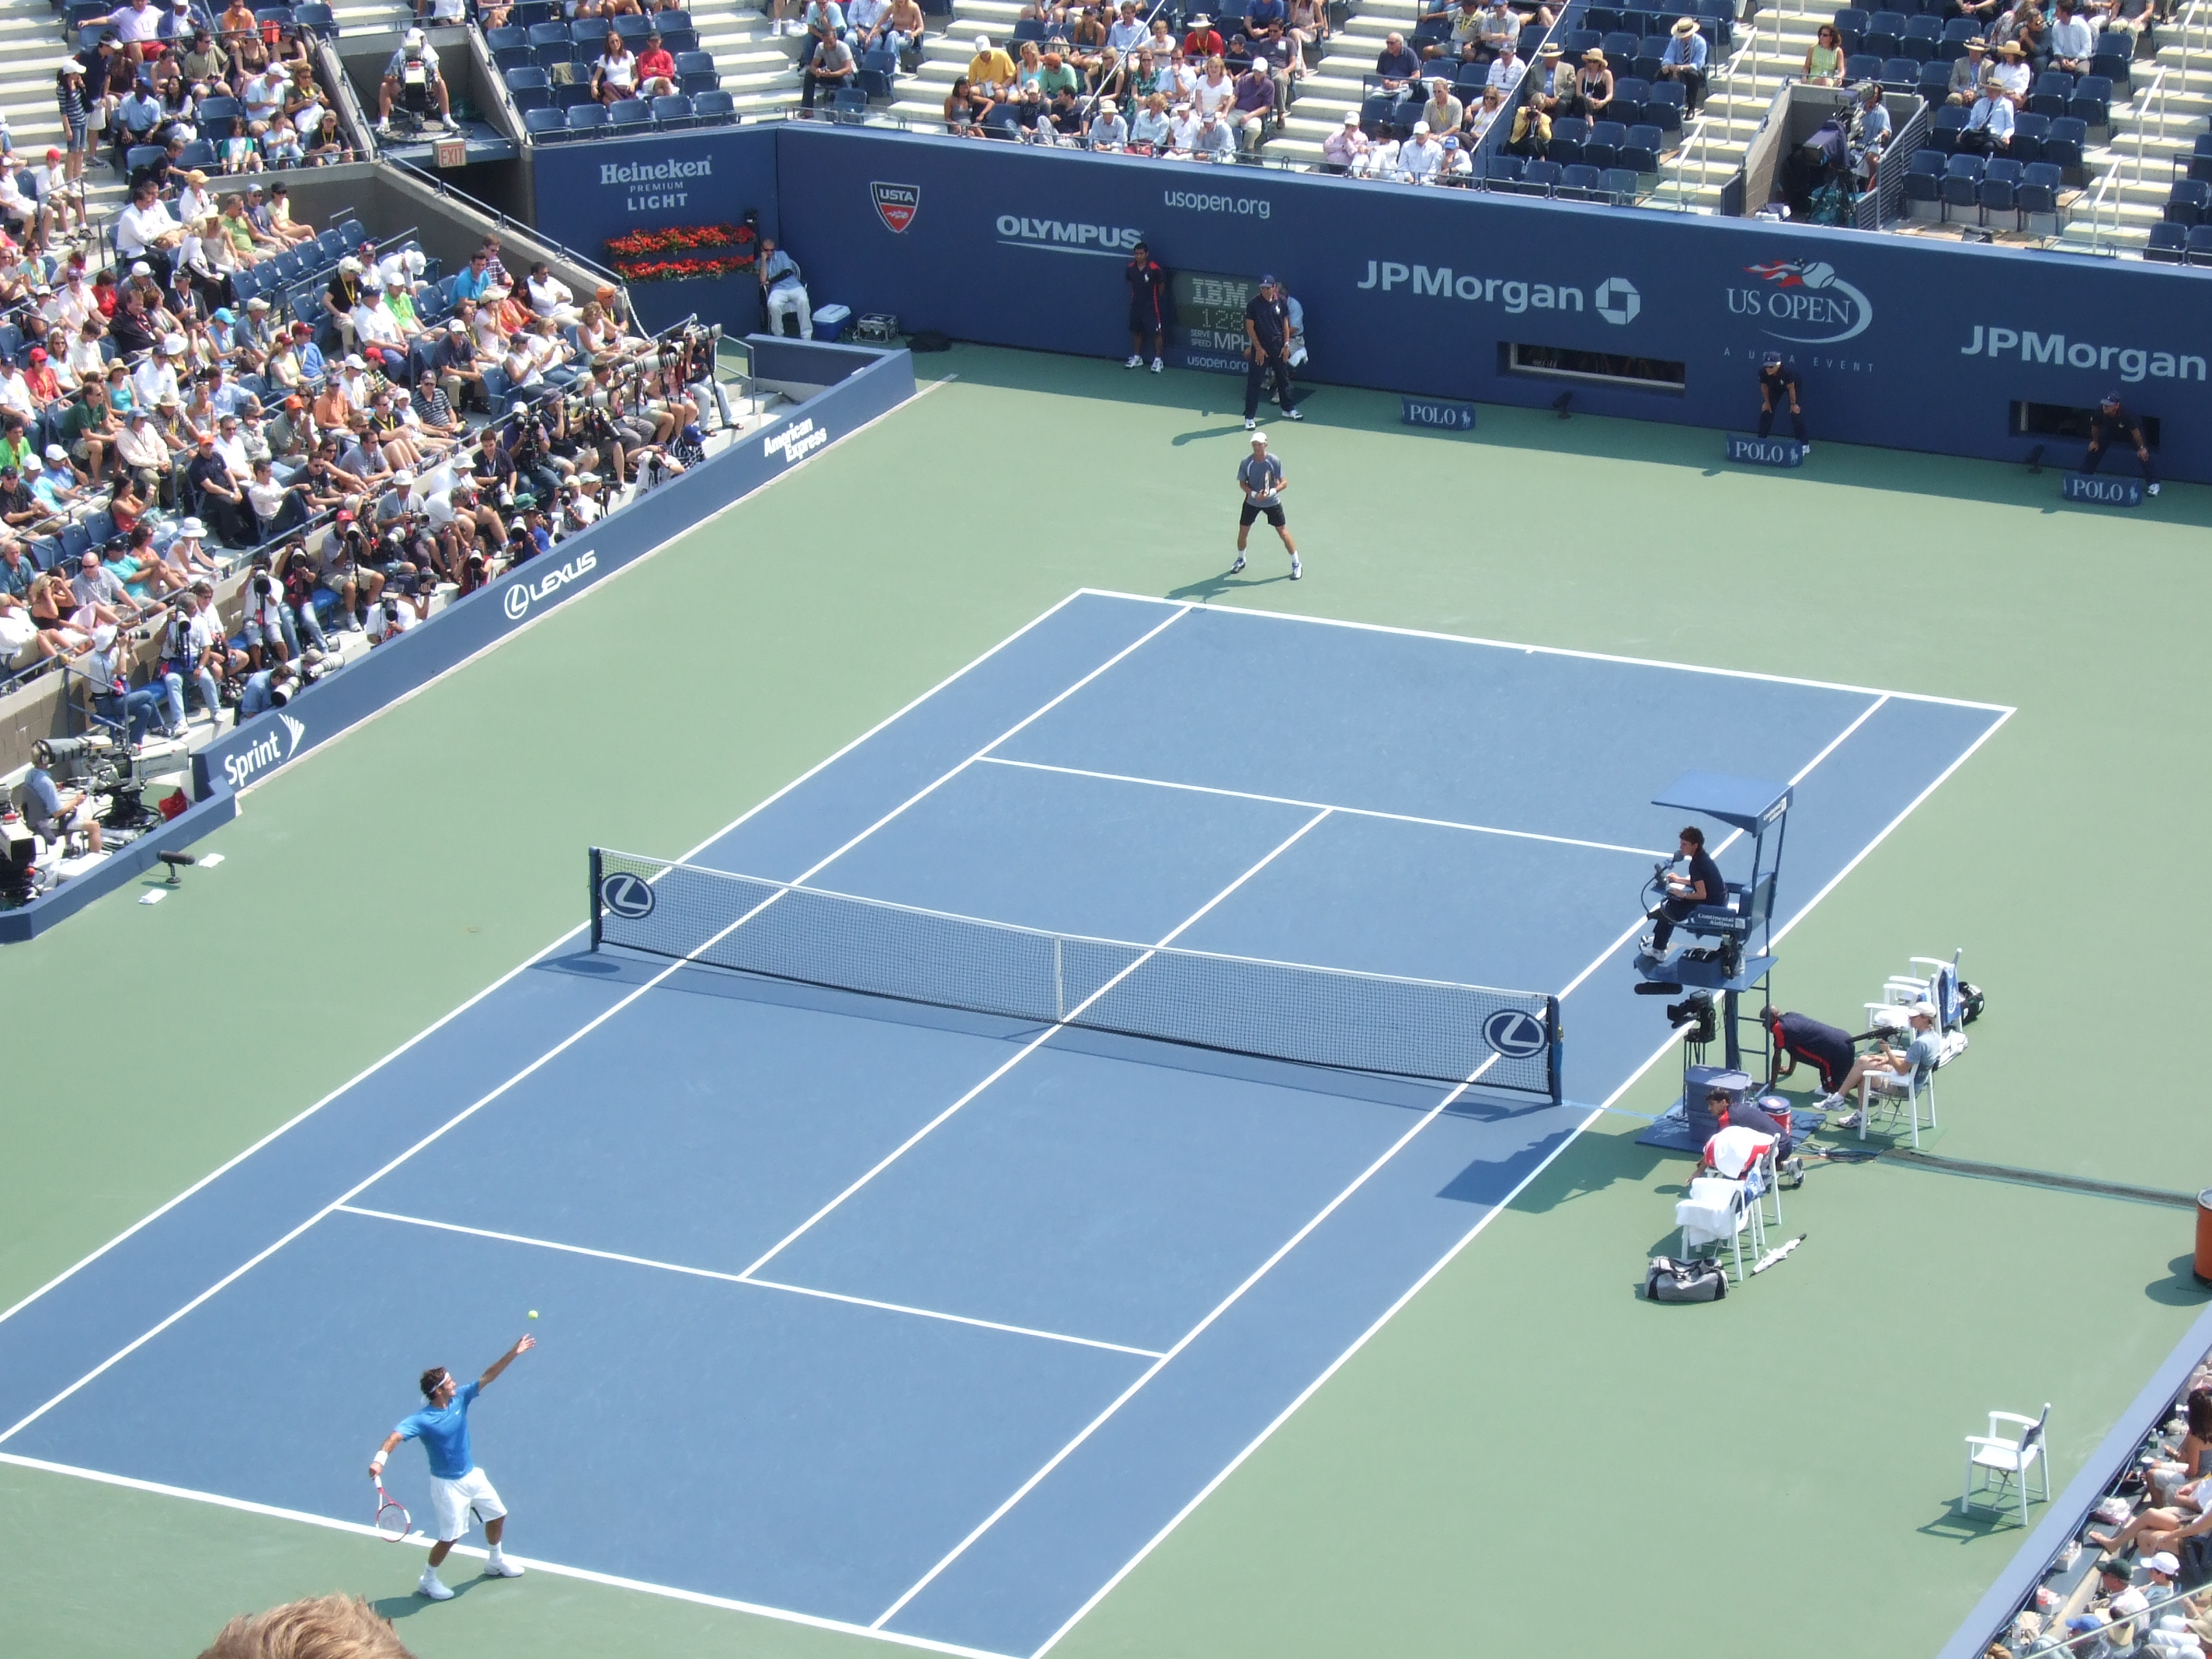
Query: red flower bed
{"type": "Point", "coordinates": [671, 270]}
{"type": "Point", "coordinates": [681, 239]}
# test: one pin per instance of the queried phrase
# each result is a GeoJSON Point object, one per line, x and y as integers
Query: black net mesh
{"type": "Point", "coordinates": [1423, 1028]}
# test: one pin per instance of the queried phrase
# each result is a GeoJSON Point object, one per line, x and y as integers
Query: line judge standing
{"type": "Point", "coordinates": [1261, 479]}
{"type": "Point", "coordinates": [1266, 341]}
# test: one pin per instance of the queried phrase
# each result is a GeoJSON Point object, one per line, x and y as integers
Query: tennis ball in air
{"type": "Point", "coordinates": [534, 1313]}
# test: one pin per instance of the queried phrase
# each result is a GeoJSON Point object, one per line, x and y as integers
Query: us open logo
{"type": "Point", "coordinates": [896, 204]}
{"type": "Point", "coordinates": [627, 895]}
{"type": "Point", "coordinates": [1805, 301]}
{"type": "Point", "coordinates": [1515, 1033]}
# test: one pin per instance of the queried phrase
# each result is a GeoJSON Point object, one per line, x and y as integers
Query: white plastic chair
{"type": "Point", "coordinates": [1905, 1089]}
{"type": "Point", "coordinates": [1719, 1212]}
{"type": "Point", "coordinates": [2009, 1460]}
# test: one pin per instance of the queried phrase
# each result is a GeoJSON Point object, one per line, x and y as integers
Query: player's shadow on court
{"type": "Point", "coordinates": [1213, 587]}
{"type": "Point", "coordinates": [1234, 429]}
{"type": "Point", "coordinates": [396, 1607]}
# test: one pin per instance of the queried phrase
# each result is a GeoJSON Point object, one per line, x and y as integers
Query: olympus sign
{"type": "Point", "coordinates": [1056, 236]}
{"type": "Point", "coordinates": [519, 597]}
{"type": "Point", "coordinates": [1805, 301]}
{"type": "Point", "coordinates": [2131, 363]}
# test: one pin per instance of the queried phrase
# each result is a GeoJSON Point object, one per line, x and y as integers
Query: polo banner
{"type": "Point", "coordinates": [1455, 296]}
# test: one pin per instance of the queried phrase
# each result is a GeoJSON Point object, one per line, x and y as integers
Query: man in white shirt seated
{"type": "Point", "coordinates": [145, 231]}
{"type": "Point", "coordinates": [549, 295]}
{"type": "Point", "coordinates": [156, 377]}
{"type": "Point", "coordinates": [1921, 1056]}
{"type": "Point", "coordinates": [378, 332]}
{"type": "Point", "coordinates": [1107, 129]}
{"type": "Point", "coordinates": [1992, 117]}
{"type": "Point", "coordinates": [1420, 156]}
{"type": "Point", "coordinates": [136, 25]}
{"type": "Point", "coordinates": [16, 392]}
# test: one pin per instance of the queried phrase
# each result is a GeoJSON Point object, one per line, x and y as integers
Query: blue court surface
{"type": "Point", "coordinates": [886, 1317]}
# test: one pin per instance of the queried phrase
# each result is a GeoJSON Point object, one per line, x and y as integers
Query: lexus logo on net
{"type": "Point", "coordinates": [896, 204]}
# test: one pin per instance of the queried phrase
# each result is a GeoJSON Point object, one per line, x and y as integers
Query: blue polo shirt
{"type": "Point", "coordinates": [444, 1434]}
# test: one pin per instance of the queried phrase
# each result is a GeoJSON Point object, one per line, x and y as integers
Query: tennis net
{"type": "Point", "coordinates": [1424, 1029]}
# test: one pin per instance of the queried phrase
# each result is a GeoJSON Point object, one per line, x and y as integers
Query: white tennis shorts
{"type": "Point", "coordinates": [451, 1500]}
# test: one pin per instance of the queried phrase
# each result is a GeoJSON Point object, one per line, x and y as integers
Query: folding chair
{"type": "Point", "coordinates": [1717, 1212]}
{"type": "Point", "coordinates": [2010, 1458]}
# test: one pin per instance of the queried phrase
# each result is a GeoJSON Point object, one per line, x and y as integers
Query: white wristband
{"type": "Point", "coordinates": [377, 1463]}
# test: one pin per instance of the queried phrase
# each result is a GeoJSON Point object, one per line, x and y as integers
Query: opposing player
{"type": "Point", "coordinates": [1260, 478]}
{"type": "Point", "coordinates": [457, 1484]}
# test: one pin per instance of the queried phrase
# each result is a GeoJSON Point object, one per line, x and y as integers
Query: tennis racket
{"type": "Point", "coordinates": [391, 1522]}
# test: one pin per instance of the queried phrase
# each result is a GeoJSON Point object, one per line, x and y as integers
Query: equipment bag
{"type": "Point", "coordinates": [1972, 1000]}
{"type": "Point", "coordinates": [1669, 1281]}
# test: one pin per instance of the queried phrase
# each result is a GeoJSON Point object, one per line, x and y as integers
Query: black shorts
{"type": "Point", "coordinates": [1143, 320]}
{"type": "Point", "coordinates": [1253, 509]}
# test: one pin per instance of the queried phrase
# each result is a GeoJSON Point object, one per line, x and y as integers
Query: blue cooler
{"type": "Point", "coordinates": [1698, 1082]}
{"type": "Point", "coordinates": [830, 321]}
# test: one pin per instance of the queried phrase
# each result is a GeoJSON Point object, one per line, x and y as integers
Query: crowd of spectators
{"type": "Point", "coordinates": [156, 434]}
{"type": "Point", "coordinates": [1097, 79]}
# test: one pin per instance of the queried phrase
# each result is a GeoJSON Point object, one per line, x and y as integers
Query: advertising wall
{"type": "Point", "coordinates": [1900, 341]}
{"type": "Point", "coordinates": [588, 194]}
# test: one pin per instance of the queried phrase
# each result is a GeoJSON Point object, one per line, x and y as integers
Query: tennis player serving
{"type": "Point", "coordinates": [1260, 481]}
{"type": "Point", "coordinates": [457, 1484]}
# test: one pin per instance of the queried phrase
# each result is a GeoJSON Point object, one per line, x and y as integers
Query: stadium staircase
{"type": "Point", "coordinates": [759, 70]}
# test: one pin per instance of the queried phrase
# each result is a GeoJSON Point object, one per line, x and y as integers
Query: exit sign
{"type": "Point", "coordinates": [453, 152]}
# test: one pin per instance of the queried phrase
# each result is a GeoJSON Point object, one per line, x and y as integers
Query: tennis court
{"type": "Point", "coordinates": [887, 1316]}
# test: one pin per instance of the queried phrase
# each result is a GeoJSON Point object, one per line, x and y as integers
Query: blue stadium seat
{"type": "Point", "coordinates": [2114, 67]}
{"type": "Point", "coordinates": [2200, 158]}
{"type": "Point", "coordinates": [1956, 34]}
{"type": "Point", "coordinates": [1541, 177]}
{"type": "Point", "coordinates": [2049, 95]}
{"type": "Point", "coordinates": [511, 59]}
{"type": "Point", "coordinates": [2000, 191]}
{"type": "Point", "coordinates": [1924, 176]}
{"type": "Point", "coordinates": [633, 27]}
{"type": "Point", "coordinates": [1900, 73]}
{"type": "Point", "coordinates": [1950, 122]}
{"type": "Point", "coordinates": [675, 18]}
{"type": "Point", "coordinates": [1582, 184]}
{"type": "Point", "coordinates": [545, 123]}
{"type": "Point", "coordinates": [588, 32]}
{"type": "Point", "coordinates": [1569, 133]}
{"type": "Point", "coordinates": [849, 104]}
{"type": "Point", "coordinates": [1851, 24]}
{"type": "Point", "coordinates": [2063, 144]}
{"type": "Point", "coordinates": [695, 72]}
{"type": "Point", "coordinates": [1618, 46]}
{"type": "Point", "coordinates": [2200, 245]}
{"type": "Point", "coordinates": [2185, 204]}
{"type": "Point", "coordinates": [1604, 19]}
{"type": "Point", "coordinates": [200, 154]}
{"type": "Point", "coordinates": [1935, 81]}
{"type": "Point", "coordinates": [549, 34]}
{"type": "Point", "coordinates": [586, 117]}
{"type": "Point", "coordinates": [629, 112]}
{"type": "Point", "coordinates": [143, 155]}
{"type": "Point", "coordinates": [2038, 194]}
{"type": "Point", "coordinates": [1641, 152]}
{"type": "Point", "coordinates": [1920, 37]}
{"type": "Point", "coordinates": [1960, 184]}
{"type": "Point", "coordinates": [672, 110]}
{"type": "Point", "coordinates": [1470, 82]}
{"type": "Point", "coordinates": [1501, 169]}
{"type": "Point", "coordinates": [1862, 66]}
{"type": "Point", "coordinates": [2092, 101]}
{"type": "Point", "coordinates": [217, 112]}
{"type": "Point", "coordinates": [317, 16]}
{"type": "Point", "coordinates": [572, 94]}
{"type": "Point", "coordinates": [1882, 34]}
{"type": "Point", "coordinates": [531, 77]}
{"type": "Point", "coordinates": [1375, 115]}
{"type": "Point", "coordinates": [1601, 149]}
{"type": "Point", "coordinates": [506, 37]}
{"type": "Point", "coordinates": [1575, 42]}
{"type": "Point", "coordinates": [676, 40]}
{"type": "Point", "coordinates": [1666, 106]}
{"type": "Point", "coordinates": [712, 106]}
{"type": "Point", "coordinates": [280, 15]}
{"type": "Point", "coordinates": [2028, 132]}
{"type": "Point", "coordinates": [2167, 244]}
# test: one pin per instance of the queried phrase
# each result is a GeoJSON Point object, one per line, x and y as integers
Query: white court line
{"type": "Point", "coordinates": [536, 1563]}
{"type": "Point", "coordinates": [1550, 650]}
{"type": "Point", "coordinates": [739, 1278]}
{"type": "Point", "coordinates": [558, 1049]}
{"type": "Point", "coordinates": [1665, 1048]}
{"type": "Point", "coordinates": [1029, 1049]}
{"type": "Point", "coordinates": [1347, 811]}
{"type": "Point", "coordinates": [369, 1071]}
{"type": "Point", "coordinates": [1187, 1339]}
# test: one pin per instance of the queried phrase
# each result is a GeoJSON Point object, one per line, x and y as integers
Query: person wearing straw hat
{"type": "Point", "coordinates": [1968, 74]}
{"type": "Point", "coordinates": [2012, 73]}
{"type": "Point", "coordinates": [1260, 480]}
{"type": "Point", "coordinates": [1684, 61]}
{"type": "Point", "coordinates": [1594, 86]}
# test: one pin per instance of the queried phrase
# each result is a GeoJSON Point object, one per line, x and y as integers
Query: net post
{"type": "Point", "coordinates": [1059, 981]}
{"type": "Point", "coordinates": [595, 898]}
{"type": "Point", "coordinates": [1552, 1057]}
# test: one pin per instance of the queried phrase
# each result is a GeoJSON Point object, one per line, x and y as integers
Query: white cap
{"type": "Point", "coordinates": [415, 260]}
{"type": "Point", "coordinates": [257, 303]}
{"type": "Point", "coordinates": [457, 327]}
{"type": "Point", "coordinates": [519, 407]}
{"type": "Point", "coordinates": [192, 527]}
{"type": "Point", "coordinates": [33, 464]}
{"type": "Point", "coordinates": [403, 477]}
{"type": "Point", "coordinates": [414, 36]}
{"type": "Point", "coordinates": [355, 360]}
{"type": "Point", "coordinates": [1259, 437]}
{"type": "Point", "coordinates": [1351, 117]}
{"type": "Point", "coordinates": [104, 635]}
{"type": "Point", "coordinates": [173, 345]}
{"type": "Point", "coordinates": [142, 268]}
{"type": "Point", "coordinates": [56, 452]}
{"type": "Point", "coordinates": [349, 264]}
{"type": "Point", "coordinates": [982, 43]}
{"type": "Point", "coordinates": [1420, 129]}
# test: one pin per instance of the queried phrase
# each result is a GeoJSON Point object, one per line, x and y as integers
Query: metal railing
{"type": "Point", "coordinates": [1696, 143]}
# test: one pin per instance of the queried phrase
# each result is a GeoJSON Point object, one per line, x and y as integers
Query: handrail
{"type": "Point", "coordinates": [515, 227]}
{"type": "Point", "coordinates": [1723, 81]}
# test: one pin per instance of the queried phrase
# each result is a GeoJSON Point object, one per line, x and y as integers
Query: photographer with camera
{"type": "Point", "coordinates": [266, 688]}
{"type": "Point", "coordinates": [106, 671]}
{"type": "Point", "coordinates": [348, 570]}
{"type": "Point", "coordinates": [297, 580]}
{"type": "Point", "coordinates": [411, 79]}
{"type": "Point", "coordinates": [530, 447]}
{"type": "Point", "coordinates": [404, 606]}
{"type": "Point", "coordinates": [1701, 884]}
{"type": "Point", "coordinates": [266, 628]}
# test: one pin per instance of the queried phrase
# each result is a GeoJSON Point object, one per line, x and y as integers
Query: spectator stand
{"type": "Point", "coordinates": [481, 116]}
{"type": "Point", "coordinates": [2052, 1576]}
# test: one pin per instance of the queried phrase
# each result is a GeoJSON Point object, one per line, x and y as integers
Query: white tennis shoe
{"type": "Point", "coordinates": [1135, 361]}
{"type": "Point", "coordinates": [433, 1587]}
{"type": "Point", "coordinates": [1238, 566]}
{"type": "Point", "coordinates": [498, 1566]}
{"type": "Point", "coordinates": [1297, 570]}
